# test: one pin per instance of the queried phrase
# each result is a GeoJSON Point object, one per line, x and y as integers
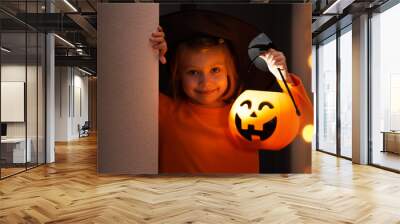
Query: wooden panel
{"type": "Point", "coordinates": [127, 89]}
{"type": "Point", "coordinates": [92, 86]}
{"type": "Point", "coordinates": [300, 150]}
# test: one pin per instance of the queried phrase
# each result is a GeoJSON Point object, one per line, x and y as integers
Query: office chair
{"type": "Point", "coordinates": [84, 130]}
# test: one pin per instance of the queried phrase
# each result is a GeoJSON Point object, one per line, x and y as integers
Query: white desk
{"type": "Point", "coordinates": [18, 149]}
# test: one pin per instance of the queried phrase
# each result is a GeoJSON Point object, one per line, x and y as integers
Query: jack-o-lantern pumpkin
{"type": "Point", "coordinates": [266, 120]}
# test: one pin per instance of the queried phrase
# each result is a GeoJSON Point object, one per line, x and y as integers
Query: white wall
{"type": "Point", "coordinates": [79, 117]}
{"type": "Point", "coordinates": [70, 83]}
{"type": "Point", "coordinates": [33, 127]}
{"type": "Point", "coordinates": [16, 73]}
{"type": "Point", "coordinates": [62, 81]}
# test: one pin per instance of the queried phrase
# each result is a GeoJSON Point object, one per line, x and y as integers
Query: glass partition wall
{"type": "Point", "coordinates": [334, 94]}
{"type": "Point", "coordinates": [22, 88]}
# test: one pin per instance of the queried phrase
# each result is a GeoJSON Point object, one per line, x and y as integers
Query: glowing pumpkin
{"type": "Point", "coordinates": [267, 120]}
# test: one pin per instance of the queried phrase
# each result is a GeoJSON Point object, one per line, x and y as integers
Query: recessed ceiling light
{"type": "Point", "coordinates": [337, 7]}
{"type": "Point", "coordinates": [64, 40]}
{"type": "Point", "coordinates": [70, 5]}
{"type": "Point", "coordinates": [84, 71]}
{"type": "Point", "coordinates": [5, 50]}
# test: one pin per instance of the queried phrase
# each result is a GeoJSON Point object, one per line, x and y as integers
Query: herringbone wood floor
{"type": "Point", "coordinates": [70, 191]}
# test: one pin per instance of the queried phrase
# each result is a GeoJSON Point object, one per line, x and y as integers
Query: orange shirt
{"type": "Point", "coordinates": [302, 101]}
{"type": "Point", "coordinates": [196, 139]}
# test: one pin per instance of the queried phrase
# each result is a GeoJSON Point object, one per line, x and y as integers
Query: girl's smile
{"type": "Point", "coordinates": [206, 92]}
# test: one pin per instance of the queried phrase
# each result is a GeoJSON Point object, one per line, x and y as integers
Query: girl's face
{"type": "Point", "coordinates": [204, 75]}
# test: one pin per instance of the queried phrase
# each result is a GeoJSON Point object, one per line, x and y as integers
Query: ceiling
{"type": "Point", "coordinates": [76, 24]}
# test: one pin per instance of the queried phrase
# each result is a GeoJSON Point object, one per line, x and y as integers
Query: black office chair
{"type": "Point", "coordinates": [84, 130]}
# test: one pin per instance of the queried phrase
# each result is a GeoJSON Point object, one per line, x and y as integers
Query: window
{"type": "Point", "coordinates": [345, 92]}
{"type": "Point", "coordinates": [385, 88]}
{"type": "Point", "coordinates": [327, 95]}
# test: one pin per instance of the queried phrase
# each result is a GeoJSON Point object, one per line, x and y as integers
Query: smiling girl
{"type": "Point", "coordinates": [194, 134]}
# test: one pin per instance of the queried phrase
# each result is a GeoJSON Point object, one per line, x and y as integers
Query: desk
{"type": "Point", "coordinates": [391, 141]}
{"type": "Point", "coordinates": [15, 148]}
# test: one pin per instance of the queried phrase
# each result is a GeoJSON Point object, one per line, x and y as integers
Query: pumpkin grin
{"type": "Point", "coordinates": [267, 130]}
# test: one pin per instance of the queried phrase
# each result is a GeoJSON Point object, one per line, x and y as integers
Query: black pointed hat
{"type": "Point", "coordinates": [185, 25]}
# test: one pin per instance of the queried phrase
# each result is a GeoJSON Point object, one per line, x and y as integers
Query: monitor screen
{"type": "Point", "coordinates": [3, 129]}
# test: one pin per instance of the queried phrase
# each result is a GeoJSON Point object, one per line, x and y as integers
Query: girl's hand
{"type": "Point", "coordinates": [158, 43]}
{"type": "Point", "coordinates": [276, 59]}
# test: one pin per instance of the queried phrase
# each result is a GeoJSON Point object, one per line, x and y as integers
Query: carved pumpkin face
{"type": "Point", "coordinates": [264, 119]}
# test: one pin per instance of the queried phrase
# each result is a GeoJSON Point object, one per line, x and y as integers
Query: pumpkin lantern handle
{"type": "Point", "coordinates": [259, 44]}
{"type": "Point", "coordinates": [290, 93]}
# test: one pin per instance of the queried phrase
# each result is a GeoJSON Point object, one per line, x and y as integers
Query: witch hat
{"type": "Point", "coordinates": [184, 25]}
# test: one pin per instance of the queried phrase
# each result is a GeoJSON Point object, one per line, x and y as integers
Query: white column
{"type": "Point", "coordinates": [50, 91]}
{"type": "Point", "coordinates": [63, 99]}
{"type": "Point", "coordinates": [360, 90]}
{"type": "Point", "coordinates": [50, 110]}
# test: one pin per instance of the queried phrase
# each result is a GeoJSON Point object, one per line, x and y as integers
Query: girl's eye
{"type": "Point", "coordinates": [215, 70]}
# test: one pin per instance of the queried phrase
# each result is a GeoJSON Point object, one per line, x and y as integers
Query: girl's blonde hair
{"type": "Point", "coordinates": [200, 43]}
